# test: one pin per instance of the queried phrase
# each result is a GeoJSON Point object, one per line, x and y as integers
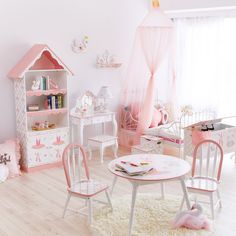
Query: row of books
{"type": "Point", "coordinates": [133, 169]}
{"type": "Point", "coordinates": [54, 102]}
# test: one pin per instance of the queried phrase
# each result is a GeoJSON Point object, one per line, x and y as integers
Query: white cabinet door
{"type": "Point", "coordinates": [46, 147]}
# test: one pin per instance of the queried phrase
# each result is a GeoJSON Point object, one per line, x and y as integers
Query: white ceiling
{"type": "Point", "coordinates": [190, 4]}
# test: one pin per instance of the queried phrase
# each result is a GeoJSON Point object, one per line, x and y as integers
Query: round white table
{"type": "Point", "coordinates": [165, 168]}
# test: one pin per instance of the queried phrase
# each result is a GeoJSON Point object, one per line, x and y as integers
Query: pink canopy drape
{"type": "Point", "coordinates": [153, 41]}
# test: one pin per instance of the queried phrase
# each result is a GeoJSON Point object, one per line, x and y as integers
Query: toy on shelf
{"type": "Point", "coordinates": [39, 126]}
{"type": "Point", "coordinates": [107, 60]}
{"type": "Point", "coordinates": [36, 84]}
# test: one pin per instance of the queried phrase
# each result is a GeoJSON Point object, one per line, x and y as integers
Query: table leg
{"type": "Point", "coordinates": [113, 184]}
{"type": "Point", "coordinates": [185, 191]}
{"type": "Point", "coordinates": [134, 193]}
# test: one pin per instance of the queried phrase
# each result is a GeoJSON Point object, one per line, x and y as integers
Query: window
{"type": "Point", "coordinates": [206, 63]}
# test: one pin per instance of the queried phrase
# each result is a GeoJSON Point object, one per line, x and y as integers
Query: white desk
{"type": "Point", "coordinates": [78, 123]}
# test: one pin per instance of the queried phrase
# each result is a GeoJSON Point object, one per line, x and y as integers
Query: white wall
{"type": "Point", "coordinates": [110, 24]}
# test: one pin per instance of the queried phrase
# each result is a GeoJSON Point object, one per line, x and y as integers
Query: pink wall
{"type": "Point", "coordinates": [109, 24]}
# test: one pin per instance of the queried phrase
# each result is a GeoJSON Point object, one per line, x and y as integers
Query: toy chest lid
{"type": "Point", "coordinates": [208, 122]}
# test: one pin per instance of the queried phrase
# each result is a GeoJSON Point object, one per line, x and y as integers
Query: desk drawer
{"type": "Point", "coordinates": [88, 121]}
{"type": "Point", "coordinates": [101, 119]}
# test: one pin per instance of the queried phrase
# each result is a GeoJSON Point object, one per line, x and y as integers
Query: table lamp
{"type": "Point", "coordinates": [104, 94]}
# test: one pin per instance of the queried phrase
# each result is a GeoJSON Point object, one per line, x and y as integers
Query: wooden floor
{"type": "Point", "coordinates": [33, 203]}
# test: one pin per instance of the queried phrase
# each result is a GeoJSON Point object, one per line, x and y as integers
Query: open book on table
{"type": "Point", "coordinates": [134, 169]}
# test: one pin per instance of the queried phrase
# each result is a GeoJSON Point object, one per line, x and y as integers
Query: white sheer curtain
{"type": "Point", "coordinates": [206, 63]}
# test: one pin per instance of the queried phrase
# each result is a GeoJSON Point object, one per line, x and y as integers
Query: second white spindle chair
{"type": "Point", "coordinates": [206, 172]}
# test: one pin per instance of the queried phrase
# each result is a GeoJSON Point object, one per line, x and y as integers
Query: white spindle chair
{"type": "Point", "coordinates": [206, 172]}
{"type": "Point", "coordinates": [79, 183]}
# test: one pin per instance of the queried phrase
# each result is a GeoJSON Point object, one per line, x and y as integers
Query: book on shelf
{"type": "Point", "coordinates": [53, 102]}
{"type": "Point", "coordinates": [44, 83]}
{"type": "Point", "coordinates": [133, 169]}
{"type": "Point", "coordinates": [60, 100]}
{"type": "Point", "coordinates": [48, 103]}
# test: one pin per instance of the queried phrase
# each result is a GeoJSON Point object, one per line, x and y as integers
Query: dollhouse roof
{"type": "Point", "coordinates": [39, 57]}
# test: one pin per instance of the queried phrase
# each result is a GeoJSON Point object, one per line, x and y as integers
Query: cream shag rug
{"type": "Point", "coordinates": [152, 218]}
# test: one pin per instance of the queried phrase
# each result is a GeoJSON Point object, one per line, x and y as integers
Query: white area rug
{"type": "Point", "coordinates": [152, 218]}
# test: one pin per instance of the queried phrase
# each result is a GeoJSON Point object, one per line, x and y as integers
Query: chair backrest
{"type": "Point", "coordinates": [210, 158]}
{"type": "Point", "coordinates": [72, 157]}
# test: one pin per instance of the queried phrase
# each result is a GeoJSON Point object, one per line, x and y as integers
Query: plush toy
{"type": "Point", "coordinates": [156, 118]}
{"type": "Point", "coordinates": [191, 219]}
{"type": "Point", "coordinates": [4, 173]}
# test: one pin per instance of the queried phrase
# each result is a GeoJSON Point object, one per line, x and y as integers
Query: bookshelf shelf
{"type": "Point", "coordinates": [47, 112]}
{"type": "Point", "coordinates": [47, 70]}
{"type": "Point", "coordinates": [41, 99]}
{"type": "Point", "coordinates": [45, 131]}
{"type": "Point", "coordinates": [31, 93]}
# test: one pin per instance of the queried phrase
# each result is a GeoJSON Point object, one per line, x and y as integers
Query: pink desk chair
{"type": "Point", "coordinates": [79, 183]}
{"type": "Point", "coordinates": [206, 172]}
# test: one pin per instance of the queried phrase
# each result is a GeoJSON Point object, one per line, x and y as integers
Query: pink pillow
{"type": "Point", "coordinates": [10, 151]}
{"type": "Point", "coordinates": [156, 118]}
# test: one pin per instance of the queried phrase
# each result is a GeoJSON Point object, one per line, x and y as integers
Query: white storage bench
{"type": "Point", "coordinates": [148, 144]}
{"type": "Point", "coordinates": [224, 134]}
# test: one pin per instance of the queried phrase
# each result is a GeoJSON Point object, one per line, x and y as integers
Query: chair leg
{"type": "Point", "coordinates": [108, 199]}
{"type": "Point", "coordinates": [219, 198]}
{"type": "Point", "coordinates": [162, 190]}
{"type": "Point", "coordinates": [66, 205]}
{"type": "Point", "coordinates": [90, 213]}
{"type": "Point", "coordinates": [113, 184]}
{"type": "Point", "coordinates": [101, 149]}
{"type": "Point", "coordinates": [90, 152]}
{"type": "Point", "coordinates": [212, 206]}
{"type": "Point", "coordinates": [115, 149]}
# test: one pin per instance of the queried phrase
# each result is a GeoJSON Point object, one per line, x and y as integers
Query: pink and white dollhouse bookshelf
{"type": "Point", "coordinates": [43, 132]}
